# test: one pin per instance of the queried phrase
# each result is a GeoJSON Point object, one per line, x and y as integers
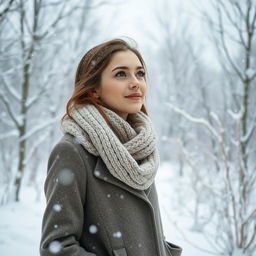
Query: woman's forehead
{"type": "Point", "coordinates": [124, 58]}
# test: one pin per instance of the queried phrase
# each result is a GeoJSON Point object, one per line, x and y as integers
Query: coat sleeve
{"type": "Point", "coordinates": [65, 192]}
{"type": "Point", "coordinates": [173, 249]}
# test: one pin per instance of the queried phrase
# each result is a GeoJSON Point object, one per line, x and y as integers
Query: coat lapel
{"type": "Point", "coordinates": [101, 172]}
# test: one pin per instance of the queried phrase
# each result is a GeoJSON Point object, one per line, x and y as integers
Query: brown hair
{"type": "Point", "coordinates": [88, 74]}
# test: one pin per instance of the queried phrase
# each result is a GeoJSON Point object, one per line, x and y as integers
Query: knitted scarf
{"type": "Point", "coordinates": [128, 149]}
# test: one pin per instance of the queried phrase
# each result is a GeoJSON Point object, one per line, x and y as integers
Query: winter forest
{"type": "Point", "coordinates": [201, 69]}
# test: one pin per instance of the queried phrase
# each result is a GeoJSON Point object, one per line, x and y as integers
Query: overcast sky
{"type": "Point", "coordinates": [137, 19]}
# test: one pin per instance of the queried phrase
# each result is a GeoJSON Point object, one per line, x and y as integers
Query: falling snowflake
{"type": "Point", "coordinates": [55, 247]}
{"type": "Point", "coordinates": [250, 72]}
{"type": "Point", "coordinates": [65, 176]}
{"type": "Point", "coordinates": [57, 207]}
{"type": "Point", "coordinates": [117, 234]}
{"type": "Point", "coordinates": [93, 229]}
{"type": "Point", "coordinates": [18, 174]}
{"type": "Point", "coordinates": [97, 173]}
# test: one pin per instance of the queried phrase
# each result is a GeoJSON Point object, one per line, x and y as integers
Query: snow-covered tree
{"type": "Point", "coordinates": [223, 173]}
{"type": "Point", "coordinates": [40, 43]}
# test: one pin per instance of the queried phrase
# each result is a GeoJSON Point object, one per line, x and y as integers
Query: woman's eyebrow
{"type": "Point", "coordinates": [124, 67]}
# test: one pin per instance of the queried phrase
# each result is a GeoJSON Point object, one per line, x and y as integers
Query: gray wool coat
{"type": "Point", "coordinates": [89, 212]}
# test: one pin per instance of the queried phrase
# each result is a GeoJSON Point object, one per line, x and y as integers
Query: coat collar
{"type": "Point", "coordinates": [101, 172]}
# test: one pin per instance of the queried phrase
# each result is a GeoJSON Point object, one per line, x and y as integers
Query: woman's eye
{"type": "Point", "coordinates": [141, 73]}
{"type": "Point", "coordinates": [120, 73]}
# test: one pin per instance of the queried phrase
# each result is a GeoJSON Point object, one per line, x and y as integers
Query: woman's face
{"type": "Point", "coordinates": [123, 76]}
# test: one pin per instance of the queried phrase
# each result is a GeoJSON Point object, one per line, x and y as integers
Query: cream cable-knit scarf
{"type": "Point", "coordinates": [129, 151]}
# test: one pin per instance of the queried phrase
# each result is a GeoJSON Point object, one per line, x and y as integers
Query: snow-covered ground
{"type": "Point", "coordinates": [20, 224]}
{"type": "Point", "coordinates": [176, 226]}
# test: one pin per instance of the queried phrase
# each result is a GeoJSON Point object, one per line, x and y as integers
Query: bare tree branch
{"type": "Point", "coordinates": [238, 72]}
{"type": "Point", "coordinates": [201, 121]}
{"type": "Point", "coordinates": [9, 110]}
{"type": "Point", "coordinates": [10, 90]}
{"type": "Point", "coordinates": [38, 128]}
{"type": "Point", "coordinates": [6, 9]}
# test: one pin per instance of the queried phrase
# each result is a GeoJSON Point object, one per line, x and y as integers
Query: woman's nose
{"type": "Point", "coordinates": [134, 82]}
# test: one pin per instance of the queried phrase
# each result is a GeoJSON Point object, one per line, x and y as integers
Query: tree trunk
{"type": "Point", "coordinates": [23, 127]}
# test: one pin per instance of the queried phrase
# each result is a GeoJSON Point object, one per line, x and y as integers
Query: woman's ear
{"type": "Point", "coordinates": [94, 93]}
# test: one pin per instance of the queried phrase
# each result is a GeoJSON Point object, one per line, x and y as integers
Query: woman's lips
{"type": "Point", "coordinates": [134, 97]}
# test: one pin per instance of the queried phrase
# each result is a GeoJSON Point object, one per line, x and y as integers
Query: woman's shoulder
{"type": "Point", "coordinates": [67, 139]}
{"type": "Point", "coordinates": [69, 142]}
{"type": "Point", "coordinates": [68, 147]}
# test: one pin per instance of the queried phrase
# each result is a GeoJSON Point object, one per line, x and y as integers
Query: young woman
{"type": "Point", "coordinates": [100, 190]}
